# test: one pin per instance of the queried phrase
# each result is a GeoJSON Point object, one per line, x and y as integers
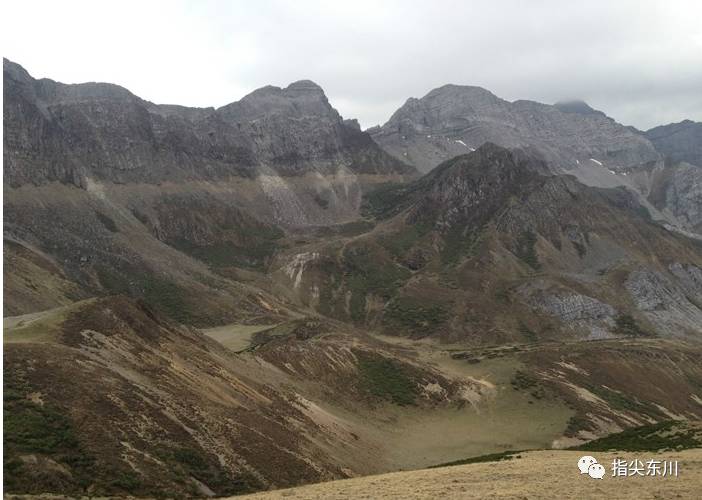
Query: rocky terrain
{"type": "Point", "coordinates": [571, 137]}
{"type": "Point", "coordinates": [487, 249]}
{"type": "Point", "coordinates": [455, 119]}
{"type": "Point", "coordinates": [211, 302]}
{"type": "Point", "coordinates": [675, 189]}
{"type": "Point", "coordinates": [119, 195]}
{"type": "Point", "coordinates": [678, 142]}
{"type": "Point", "coordinates": [303, 163]}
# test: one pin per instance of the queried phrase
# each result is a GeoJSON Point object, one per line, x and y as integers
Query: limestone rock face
{"type": "Point", "coordinates": [575, 310]}
{"type": "Point", "coordinates": [676, 189]}
{"type": "Point", "coordinates": [75, 133]}
{"type": "Point", "coordinates": [678, 141]}
{"type": "Point", "coordinates": [455, 119]}
{"type": "Point", "coordinates": [666, 303]}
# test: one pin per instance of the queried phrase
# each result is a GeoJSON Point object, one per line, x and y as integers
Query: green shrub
{"type": "Point", "coordinates": [526, 332]}
{"type": "Point", "coordinates": [400, 242]}
{"type": "Point", "coordinates": [167, 297]}
{"type": "Point", "coordinates": [625, 324]}
{"type": "Point", "coordinates": [107, 222]}
{"type": "Point", "coordinates": [526, 249]}
{"type": "Point", "coordinates": [667, 435]}
{"type": "Point", "coordinates": [367, 272]}
{"type": "Point", "coordinates": [386, 379]}
{"type": "Point", "coordinates": [415, 315]}
{"type": "Point", "coordinates": [195, 463]}
{"type": "Point", "coordinates": [457, 244]}
{"type": "Point", "coordinates": [491, 457]}
{"type": "Point", "coordinates": [31, 428]}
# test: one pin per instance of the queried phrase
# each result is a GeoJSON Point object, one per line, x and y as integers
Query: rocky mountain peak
{"type": "Point", "coordinates": [96, 132]}
{"type": "Point", "coordinates": [452, 90]}
{"type": "Point", "coordinates": [455, 119]}
{"type": "Point", "coordinates": [439, 106]}
{"type": "Point", "coordinates": [489, 174]}
{"type": "Point", "coordinates": [470, 187]}
{"type": "Point", "coordinates": [12, 70]}
{"type": "Point", "coordinates": [576, 106]}
{"type": "Point", "coordinates": [305, 86]}
{"type": "Point", "coordinates": [300, 99]}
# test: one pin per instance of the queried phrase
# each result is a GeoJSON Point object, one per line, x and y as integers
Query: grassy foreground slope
{"type": "Point", "coordinates": [540, 474]}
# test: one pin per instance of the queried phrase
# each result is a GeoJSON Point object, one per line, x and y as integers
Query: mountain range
{"type": "Point", "coordinates": [207, 302]}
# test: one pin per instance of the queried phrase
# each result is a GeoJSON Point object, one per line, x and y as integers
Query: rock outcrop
{"type": "Point", "coordinates": [74, 133]}
{"type": "Point", "coordinates": [490, 246]}
{"type": "Point", "coordinates": [121, 195]}
{"type": "Point", "coordinates": [456, 119]}
{"type": "Point", "coordinates": [676, 189]}
{"type": "Point", "coordinates": [678, 142]}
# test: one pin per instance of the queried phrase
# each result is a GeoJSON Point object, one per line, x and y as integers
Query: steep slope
{"type": "Point", "coordinates": [106, 397]}
{"type": "Point", "coordinates": [120, 195]}
{"type": "Point", "coordinates": [454, 119]}
{"type": "Point", "coordinates": [63, 243]}
{"type": "Point", "coordinates": [676, 189]}
{"type": "Point", "coordinates": [486, 249]}
{"type": "Point", "coordinates": [678, 142]}
{"type": "Point", "coordinates": [570, 136]}
{"type": "Point", "coordinates": [98, 132]}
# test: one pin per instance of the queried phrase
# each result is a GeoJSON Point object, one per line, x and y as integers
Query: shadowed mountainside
{"type": "Point", "coordinates": [487, 249]}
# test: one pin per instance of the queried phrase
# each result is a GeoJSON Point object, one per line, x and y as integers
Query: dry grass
{"type": "Point", "coordinates": [34, 327]}
{"type": "Point", "coordinates": [234, 336]}
{"type": "Point", "coordinates": [542, 474]}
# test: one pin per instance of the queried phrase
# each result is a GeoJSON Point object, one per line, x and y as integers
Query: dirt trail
{"type": "Point", "coordinates": [542, 475]}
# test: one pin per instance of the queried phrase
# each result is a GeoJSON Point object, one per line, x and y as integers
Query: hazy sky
{"type": "Point", "coordinates": [639, 61]}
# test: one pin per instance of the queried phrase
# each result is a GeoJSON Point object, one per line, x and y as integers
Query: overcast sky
{"type": "Point", "coordinates": [639, 61]}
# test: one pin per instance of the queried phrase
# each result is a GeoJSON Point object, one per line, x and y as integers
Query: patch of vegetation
{"type": "Point", "coordinates": [625, 324]}
{"type": "Point", "coordinates": [107, 222]}
{"type": "Point", "coordinates": [386, 379]}
{"type": "Point", "coordinates": [580, 248]}
{"type": "Point", "coordinates": [667, 435]}
{"type": "Point", "coordinates": [367, 272]}
{"type": "Point", "coordinates": [126, 481]}
{"type": "Point", "coordinates": [114, 282]}
{"type": "Point", "coordinates": [527, 382]}
{"type": "Point", "coordinates": [41, 429]}
{"type": "Point", "coordinates": [415, 315]}
{"type": "Point", "coordinates": [326, 300]}
{"type": "Point", "coordinates": [400, 242]}
{"type": "Point", "coordinates": [491, 457]}
{"type": "Point", "coordinates": [140, 216]}
{"type": "Point", "coordinates": [619, 401]}
{"type": "Point", "coordinates": [523, 380]}
{"type": "Point", "coordinates": [159, 292]}
{"type": "Point", "coordinates": [526, 249]}
{"type": "Point", "coordinates": [167, 297]}
{"type": "Point", "coordinates": [253, 255]}
{"type": "Point", "coordinates": [526, 332]}
{"type": "Point", "coordinates": [503, 296]}
{"type": "Point", "coordinates": [576, 423]}
{"type": "Point", "coordinates": [187, 462]}
{"type": "Point", "coordinates": [457, 244]}
{"type": "Point", "coordinates": [385, 200]}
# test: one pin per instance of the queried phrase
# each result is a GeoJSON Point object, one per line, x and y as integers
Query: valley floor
{"type": "Point", "coordinates": [539, 474]}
